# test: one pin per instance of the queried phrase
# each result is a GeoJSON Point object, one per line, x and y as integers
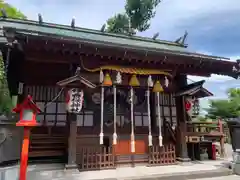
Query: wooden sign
{"type": "Point", "coordinates": [194, 139]}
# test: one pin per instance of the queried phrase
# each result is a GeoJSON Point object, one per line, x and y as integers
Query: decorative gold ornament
{"type": "Point", "coordinates": [157, 87]}
{"type": "Point", "coordinates": [107, 80]}
{"type": "Point", "coordinates": [134, 81]}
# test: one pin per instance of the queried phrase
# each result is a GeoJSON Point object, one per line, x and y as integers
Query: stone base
{"type": "Point", "coordinates": [71, 166]}
{"type": "Point", "coordinates": [183, 159]}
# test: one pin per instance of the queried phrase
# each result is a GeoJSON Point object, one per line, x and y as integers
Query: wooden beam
{"type": "Point", "coordinates": [107, 51]}
{"type": "Point", "coordinates": [55, 52]}
{"type": "Point", "coordinates": [73, 47]}
{"type": "Point", "coordinates": [60, 67]}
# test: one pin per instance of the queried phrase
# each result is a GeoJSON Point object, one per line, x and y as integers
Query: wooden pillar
{"type": "Point", "coordinates": [222, 148]}
{"type": "Point", "coordinates": [72, 146]}
{"type": "Point", "coordinates": [182, 151]}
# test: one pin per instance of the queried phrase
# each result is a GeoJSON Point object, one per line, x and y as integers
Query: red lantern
{"type": "Point", "coordinates": [188, 105]}
{"type": "Point", "coordinates": [28, 111]}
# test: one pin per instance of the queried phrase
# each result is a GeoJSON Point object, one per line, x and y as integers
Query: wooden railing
{"type": "Point", "coordinates": [199, 128]}
{"type": "Point", "coordinates": [164, 155]}
{"type": "Point", "coordinates": [100, 157]}
{"type": "Point", "coordinates": [93, 158]}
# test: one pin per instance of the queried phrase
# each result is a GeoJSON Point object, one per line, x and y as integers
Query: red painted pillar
{"type": "Point", "coordinates": [214, 152]}
{"type": "Point", "coordinates": [24, 154]}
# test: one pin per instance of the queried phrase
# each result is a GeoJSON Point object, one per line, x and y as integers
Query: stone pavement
{"type": "Point", "coordinates": [180, 172]}
{"type": "Point", "coordinates": [193, 170]}
{"type": "Point", "coordinates": [183, 171]}
{"type": "Point", "coordinates": [232, 177]}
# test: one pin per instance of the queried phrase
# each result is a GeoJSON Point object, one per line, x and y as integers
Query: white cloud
{"type": "Point", "coordinates": [213, 78]}
{"type": "Point", "coordinates": [234, 58]}
{"type": "Point", "coordinates": [173, 17]}
{"type": "Point", "coordinates": [174, 13]}
{"type": "Point", "coordinates": [92, 13]}
{"type": "Point", "coordinates": [88, 13]}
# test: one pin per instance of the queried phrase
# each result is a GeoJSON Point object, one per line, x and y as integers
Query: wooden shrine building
{"type": "Point", "coordinates": [106, 99]}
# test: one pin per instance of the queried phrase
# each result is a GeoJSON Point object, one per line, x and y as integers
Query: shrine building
{"type": "Point", "coordinates": [108, 99]}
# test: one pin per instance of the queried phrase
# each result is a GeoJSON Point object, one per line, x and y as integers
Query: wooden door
{"type": "Point", "coordinates": [123, 147]}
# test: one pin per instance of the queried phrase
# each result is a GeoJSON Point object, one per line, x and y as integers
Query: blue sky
{"type": "Point", "coordinates": [213, 25]}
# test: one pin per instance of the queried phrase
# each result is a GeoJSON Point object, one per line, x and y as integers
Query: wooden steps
{"type": "Point", "coordinates": [46, 153]}
{"type": "Point", "coordinates": [46, 145]}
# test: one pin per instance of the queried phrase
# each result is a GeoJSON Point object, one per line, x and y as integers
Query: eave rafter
{"type": "Point", "coordinates": [69, 52]}
{"type": "Point", "coordinates": [98, 60]}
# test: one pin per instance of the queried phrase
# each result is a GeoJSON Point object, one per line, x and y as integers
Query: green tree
{"type": "Point", "coordinates": [118, 24]}
{"type": "Point", "coordinates": [201, 118]}
{"type": "Point", "coordinates": [137, 16]}
{"type": "Point", "coordinates": [5, 100]}
{"type": "Point", "coordinates": [225, 109]}
{"type": "Point", "coordinates": [11, 11]}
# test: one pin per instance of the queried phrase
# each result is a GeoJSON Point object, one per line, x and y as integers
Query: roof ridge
{"type": "Point", "coordinates": [87, 30]}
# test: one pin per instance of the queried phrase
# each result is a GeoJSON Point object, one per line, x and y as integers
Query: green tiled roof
{"type": "Point", "coordinates": [95, 36]}
{"type": "Point", "coordinates": [88, 34]}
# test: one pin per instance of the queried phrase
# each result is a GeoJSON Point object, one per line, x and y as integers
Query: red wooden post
{"type": "Point", "coordinates": [214, 157]}
{"type": "Point", "coordinates": [28, 111]}
{"type": "Point", "coordinates": [24, 154]}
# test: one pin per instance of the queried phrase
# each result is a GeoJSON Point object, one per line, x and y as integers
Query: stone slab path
{"type": "Point", "coordinates": [192, 170]}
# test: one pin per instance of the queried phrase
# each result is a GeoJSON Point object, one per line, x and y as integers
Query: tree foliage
{"type": "Point", "coordinates": [11, 11]}
{"type": "Point", "coordinates": [5, 100]}
{"type": "Point", "coordinates": [225, 109]}
{"type": "Point", "coordinates": [118, 24]}
{"type": "Point", "coordinates": [137, 16]}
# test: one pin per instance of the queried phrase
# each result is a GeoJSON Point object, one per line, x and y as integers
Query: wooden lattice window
{"type": "Point", "coordinates": [141, 119]}
{"type": "Point", "coordinates": [53, 113]}
{"type": "Point", "coordinates": [120, 120]}
{"type": "Point", "coordinates": [85, 119]}
{"type": "Point", "coordinates": [167, 108]}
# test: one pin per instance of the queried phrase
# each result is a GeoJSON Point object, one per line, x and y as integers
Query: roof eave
{"type": "Point", "coordinates": [126, 46]}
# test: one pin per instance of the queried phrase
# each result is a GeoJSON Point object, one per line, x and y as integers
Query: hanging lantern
{"type": "Point", "coordinates": [196, 107]}
{"type": "Point", "coordinates": [157, 87]}
{"type": "Point", "coordinates": [134, 81]}
{"type": "Point", "coordinates": [189, 103]}
{"type": "Point", "coordinates": [74, 100]}
{"type": "Point", "coordinates": [107, 80]}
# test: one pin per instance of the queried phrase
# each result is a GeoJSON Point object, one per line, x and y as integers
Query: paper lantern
{"type": "Point", "coordinates": [74, 100]}
{"type": "Point", "coordinates": [188, 105]}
